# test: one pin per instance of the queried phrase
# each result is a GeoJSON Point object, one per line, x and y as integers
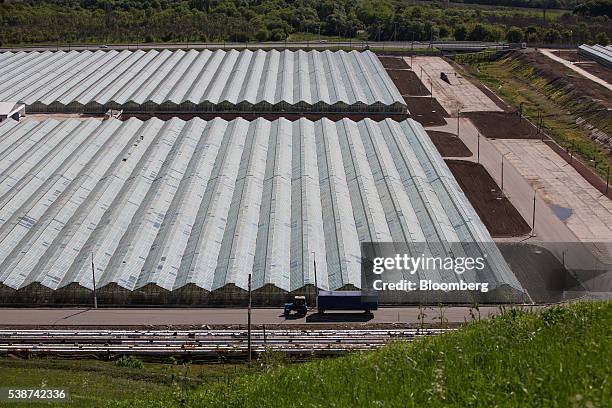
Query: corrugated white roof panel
{"type": "Point", "coordinates": [145, 80]}
{"type": "Point", "coordinates": [600, 53]}
{"type": "Point", "coordinates": [204, 204]}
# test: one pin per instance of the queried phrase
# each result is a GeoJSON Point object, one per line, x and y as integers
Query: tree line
{"type": "Point", "coordinates": [110, 21]}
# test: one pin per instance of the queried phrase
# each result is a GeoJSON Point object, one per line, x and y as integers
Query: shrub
{"type": "Point", "coordinates": [129, 362]}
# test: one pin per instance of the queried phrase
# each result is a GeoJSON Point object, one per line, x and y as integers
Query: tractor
{"type": "Point", "coordinates": [298, 306]}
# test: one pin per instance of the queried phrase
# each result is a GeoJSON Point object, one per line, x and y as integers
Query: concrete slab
{"type": "Point", "coordinates": [462, 91]}
{"type": "Point", "coordinates": [584, 209]}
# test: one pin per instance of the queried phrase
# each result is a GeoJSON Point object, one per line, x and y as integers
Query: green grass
{"type": "Point", "coordinates": [555, 358]}
{"type": "Point", "coordinates": [93, 383]}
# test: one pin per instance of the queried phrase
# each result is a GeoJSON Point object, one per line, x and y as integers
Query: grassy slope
{"type": "Point", "coordinates": [558, 122]}
{"type": "Point", "coordinates": [93, 383]}
{"type": "Point", "coordinates": [559, 357]}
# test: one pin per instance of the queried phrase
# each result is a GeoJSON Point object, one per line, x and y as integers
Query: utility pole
{"type": "Point", "coordinates": [478, 149]}
{"type": "Point", "coordinates": [249, 320]}
{"type": "Point", "coordinates": [502, 174]}
{"type": "Point", "coordinates": [314, 257]}
{"type": "Point", "coordinates": [563, 258]}
{"type": "Point", "coordinates": [93, 275]}
{"type": "Point", "coordinates": [533, 214]}
{"type": "Point", "coordinates": [458, 116]}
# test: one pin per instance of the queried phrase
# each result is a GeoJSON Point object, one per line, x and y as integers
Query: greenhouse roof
{"type": "Point", "coordinates": [186, 81]}
{"type": "Point", "coordinates": [600, 53]}
{"type": "Point", "coordinates": [204, 203]}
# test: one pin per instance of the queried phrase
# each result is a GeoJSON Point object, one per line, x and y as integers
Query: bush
{"type": "Point", "coordinates": [514, 35]}
{"type": "Point", "coordinates": [460, 33]}
{"type": "Point", "coordinates": [130, 362]}
{"type": "Point", "coordinates": [552, 36]}
{"type": "Point", "coordinates": [262, 35]}
{"type": "Point", "coordinates": [602, 39]}
{"type": "Point", "coordinates": [479, 33]}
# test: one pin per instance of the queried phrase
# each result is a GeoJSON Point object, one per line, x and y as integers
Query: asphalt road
{"type": "Point", "coordinates": [218, 317]}
{"type": "Point", "coordinates": [450, 45]}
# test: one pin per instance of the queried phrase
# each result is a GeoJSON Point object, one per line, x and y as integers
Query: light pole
{"type": "Point", "coordinates": [533, 213]}
{"type": "Point", "coordinates": [93, 276]}
{"type": "Point", "coordinates": [458, 116]}
{"type": "Point", "coordinates": [502, 173]}
{"type": "Point", "coordinates": [563, 258]}
{"type": "Point", "coordinates": [249, 320]}
{"type": "Point", "coordinates": [478, 149]}
{"type": "Point", "coordinates": [314, 261]}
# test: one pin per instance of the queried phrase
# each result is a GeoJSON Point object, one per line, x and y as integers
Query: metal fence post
{"type": "Point", "coordinates": [249, 320]}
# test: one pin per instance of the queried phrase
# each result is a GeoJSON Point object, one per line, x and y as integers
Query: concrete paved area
{"type": "Point", "coordinates": [190, 316]}
{"type": "Point", "coordinates": [572, 66]}
{"type": "Point", "coordinates": [586, 211]}
{"type": "Point", "coordinates": [565, 189]}
{"type": "Point", "coordinates": [569, 209]}
{"type": "Point", "coordinates": [517, 188]}
{"type": "Point", "coordinates": [461, 91]}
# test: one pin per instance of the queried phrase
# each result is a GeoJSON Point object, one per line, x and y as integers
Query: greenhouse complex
{"type": "Point", "coordinates": [599, 53]}
{"type": "Point", "coordinates": [198, 81]}
{"type": "Point", "coordinates": [180, 212]}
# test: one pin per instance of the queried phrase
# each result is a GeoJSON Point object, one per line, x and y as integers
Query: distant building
{"type": "Point", "coordinates": [12, 110]}
{"type": "Point", "coordinates": [199, 81]}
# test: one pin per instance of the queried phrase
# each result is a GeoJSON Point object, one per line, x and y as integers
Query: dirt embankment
{"type": "Point", "coordinates": [448, 144]}
{"type": "Point", "coordinates": [580, 96]}
{"type": "Point", "coordinates": [426, 111]}
{"type": "Point", "coordinates": [393, 62]}
{"type": "Point", "coordinates": [502, 125]}
{"type": "Point", "coordinates": [407, 82]}
{"type": "Point", "coordinates": [586, 63]}
{"type": "Point", "coordinates": [498, 214]}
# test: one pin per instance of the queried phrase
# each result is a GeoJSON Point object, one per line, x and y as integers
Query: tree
{"type": "Point", "coordinates": [602, 39]}
{"type": "Point", "coordinates": [444, 31]}
{"type": "Point", "coordinates": [460, 33]}
{"type": "Point", "coordinates": [552, 36]}
{"type": "Point", "coordinates": [374, 13]}
{"type": "Point", "coordinates": [594, 8]}
{"type": "Point", "coordinates": [262, 35]}
{"type": "Point", "coordinates": [479, 33]}
{"type": "Point", "coordinates": [514, 35]}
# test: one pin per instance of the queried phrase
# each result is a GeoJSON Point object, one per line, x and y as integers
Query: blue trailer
{"type": "Point", "coordinates": [347, 300]}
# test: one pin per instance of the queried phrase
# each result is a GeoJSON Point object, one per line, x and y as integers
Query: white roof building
{"type": "Point", "coordinates": [199, 81]}
{"type": "Point", "coordinates": [182, 211]}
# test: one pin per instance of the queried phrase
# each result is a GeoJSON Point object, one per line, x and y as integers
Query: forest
{"type": "Point", "coordinates": [136, 21]}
